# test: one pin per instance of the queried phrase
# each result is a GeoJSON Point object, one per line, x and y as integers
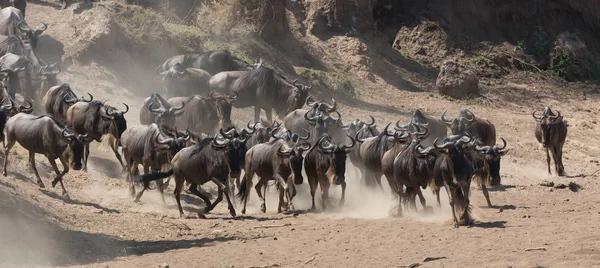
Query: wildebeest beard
{"type": "Point", "coordinates": [546, 129]}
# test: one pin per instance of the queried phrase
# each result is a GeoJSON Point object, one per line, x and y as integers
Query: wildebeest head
{"type": "Point", "coordinates": [173, 144]}
{"type": "Point", "coordinates": [74, 99]}
{"type": "Point", "coordinates": [31, 35]}
{"type": "Point", "coordinates": [236, 152]}
{"type": "Point", "coordinates": [177, 71]}
{"type": "Point", "coordinates": [120, 124]}
{"type": "Point", "coordinates": [76, 145]}
{"type": "Point", "coordinates": [547, 123]}
{"type": "Point", "coordinates": [337, 156]}
{"type": "Point", "coordinates": [357, 125]}
{"type": "Point", "coordinates": [460, 124]}
{"type": "Point", "coordinates": [48, 74]}
{"type": "Point", "coordinates": [264, 129]}
{"type": "Point", "coordinates": [297, 146]}
{"type": "Point", "coordinates": [492, 156]}
{"type": "Point", "coordinates": [324, 123]}
{"type": "Point", "coordinates": [224, 104]}
{"type": "Point", "coordinates": [321, 106]}
{"type": "Point", "coordinates": [297, 98]}
{"type": "Point", "coordinates": [163, 115]}
{"type": "Point", "coordinates": [454, 146]}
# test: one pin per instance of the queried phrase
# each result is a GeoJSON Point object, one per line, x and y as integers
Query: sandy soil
{"type": "Point", "coordinates": [102, 227]}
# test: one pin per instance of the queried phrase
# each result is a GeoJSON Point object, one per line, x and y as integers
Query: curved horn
{"type": "Point", "coordinates": [310, 101]}
{"type": "Point", "coordinates": [91, 98]}
{"type": "Point", "coordinates": [401, 136]}
{"type": "Point", "coordinates": [175, 109]}
{"type": "Point", "coordinates": [252, 129]}
{"type": "Point", "coordinates": [126, 108]}
{"type": "Point", "coordinates": [21, 27]}
{"type": "Point", "coordinates": [331, 108]}
{"type": "Point", "coordinates": [68, 135]}
{"type": "Point", "coordinates": [45, 27]}
{"type": "Point", "coordinates": [311, 119]}
{"type": "Point", "coordinates": [386, 131]}
{"type": "Point", "coordinates": [275, 130]}
{"type": "Point", "coordinates": [69, 101]}
{"type": "Point", "coordinates": [372, 121]}
{"type": "Point", "coordinates": [555, 116]}
{"type": "Point", "coordinates": [25, 108]}
{"type": "Point", "coordinates": [108, 112]}
{"type": "Point", "coordinates": [418, 127]}
{"type": "Point", "coordinates": [307, 135]}
{"type": "Point", "coordinates": [357, 138]}
{"type": "Point", "coordinates": [352, 143]}
{"type": "Point", "coordinates": [399, 127]}
{"type": "Point", "coordinates": [327, 148]}
{"type": "Point", "coordinates": [471, 114]}
{"type": "Point", "coordinates": [420, 152]}
{"type": "Point", "coordinates": [446, 145]}
{"type": "Point", "coordinates": [10, 105]}
{"type": "Point", "coordinates": [503, 144]}
{"type": "Point", "coordinates": [216, 143]}
{"type": "Point", "coordinates": [233, 98]}
{"type": "Point", "coordinates": [448, 122]}
{"type": "Point", "coordinates": [228, 135]}
{"type": "Point", "coordinates": [167, 141]}
{"type": "Point", "coordinates": [286, 152]}
{"type": "Point", "coordinates": [536, 117]}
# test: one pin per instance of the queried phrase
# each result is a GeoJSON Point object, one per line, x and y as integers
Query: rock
{"type": "Point", "coordinates": [456, 81]}
{"type": "Point", "coordinates": [163, 265]}
{"type": "Point", "coordinates": [570, 57]}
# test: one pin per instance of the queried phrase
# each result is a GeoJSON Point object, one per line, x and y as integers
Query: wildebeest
{"type": "Point", "coordinates": [221, 81]}
{"type": "Point", "coordinates": [371, 153]}
{"type": "Point", "coordinates": [262, 132]}
{"type": "Point", "coordinates": [152, 148]}
{"type": "Point", "coordinates": [551, 132]}
{"type": "Point", "coordinates": [264, 89]}
{"type": "Point", "coordinates": [454, 170]}
{"type": "Point", "coordinates": [435, 127]}
{"type": "Point", "coordinates": [102, 122]}
{"type": "Point", "coordinates": [317, 120]}
{"type": "Point", "coordinates": [5, 109]}
{"type": "Point", "coordinates": [43, 135]}
{"type": "Point", "coordinates": [211, 61]}
{"type": "Point", "coordinates": [360, 130]}
{"type": "Point", "coordinates": [325, 164]}
{"type": "Point", "coordinates": [202, 115]}
{"type": "Point", "coordinates": [58, 99]}
{"type": "Point", "coordinates": [156, 109]}
{"type": "Point", "coordinates": [481, 129]}
{"type": "Point", "coordinates": [483, 158]}
{"type": "Point", "coordinates": [181, 81]}
{"type": "Point", "coordinates": [273, 160]}
{"type": "Point", "coordinates": [12, 22]}
{"type": "Point", "coordinates": [209, 160]}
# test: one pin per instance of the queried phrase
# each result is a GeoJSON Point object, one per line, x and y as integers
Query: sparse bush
{"type": "Point", "coordinates": [333, 81]}
{"type": "Point", "coordinates": [480, 59]}
{"type": "Point", "coordinates": [143, 27]}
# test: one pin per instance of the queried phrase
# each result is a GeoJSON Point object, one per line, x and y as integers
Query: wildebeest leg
{"type": "Point", "coordinates": [37, 176]}
{"type": "Point", "coordinates": [146, 171]}
{"type": "Point", "coordinates": [378, 181]}
{"type": "Point", "coordinates": [60, 175]}
{"type": "Point", "coordinates": [548, 160]}
{"type": "Point", "coordinates": [486, 194]}
{"type": "Point", "coordinates": [223, 189]}
{"type": "Point", "coordinates": [343, 199]}
{"type": "Point", "coordinates": [437, 197]}
{"type": "Point", "coordinates": [258, 187]}
{"type": "Point", "coordinates": [324, 184]}
{"type": "Point", "coordinates": [451, 201]}
{"type": "Point", "coordinates": [249, 175]}
{"type": "Point", "coordinates": [86, 154]}
{"type": "Point", "coordinates": [561, 168]}
{"type": "Point", "coordinates": [161, 190]}
{"type": "Point", "coordinates": [194, 190]}
{"type": "Point", "coordinates": [179, 179]}
{"type": "Point", "coordinates": [285, 186]}
{"type": "Point", "coordinates": [312, 182]}
{"type": "Point", "coordinates": [256, 113]}
{"type": "Point", "coordinates": [421, 198]}
{"type": "Point", "coordinates": [115, 147]}
{"type": "Point", "coordinates": [6, 151]}
{"type": "Point", "coordinates": [465, 187]}
{"type": "Point", "coordinates": [269, 113]}
{"type": "Point", "coordinates": [281, 201]}
{"type": "Point", "coordinates": [133, 169]}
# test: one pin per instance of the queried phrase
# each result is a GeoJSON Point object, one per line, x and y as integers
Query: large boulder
{"type": "Point", "coordinates": [456, 81]}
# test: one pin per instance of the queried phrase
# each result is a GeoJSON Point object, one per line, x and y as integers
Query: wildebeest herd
{"type": "Point", "coordinates": [189, 135]}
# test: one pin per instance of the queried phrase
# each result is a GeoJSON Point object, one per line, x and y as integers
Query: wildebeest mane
{"type": "Point", "coordinates": [64, 92]}
{"type": "Point", "coordinates": [201, 145]}
{"type": "Point", "coordinates": [92, 110]}
{"type": "Point", "coordinates": [265, 82]}
{"type": "Point", "coordinates": [59, 124]}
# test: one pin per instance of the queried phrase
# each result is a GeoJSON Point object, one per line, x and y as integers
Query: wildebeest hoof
{"type": "Point", "coordinates": [263, 208]}
{"type": "Point", "coordinates": [66, 196]}
{"type": "Point", "coordinates": [54, 182]}
{"type": "Point", "coordinates": [207, 209]}
{"type": "Point", "coordinates": [201, 215]}
{"type": "Point", "coordinates": [40, 184]}
{"type": "Point", "coordinates": [4, 173]}
{"type": "Point", "coordinates": [244, 211]}
{"type": "Point", "coordinates": [232, 212]}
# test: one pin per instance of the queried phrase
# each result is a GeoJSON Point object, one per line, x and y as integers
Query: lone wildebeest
{"type": "Point", "coordinates": [43, 135]}
{"type": "Point", "coordinates": [551, 132]}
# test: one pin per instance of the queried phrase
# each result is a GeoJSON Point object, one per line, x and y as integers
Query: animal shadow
{"type": "Point", "coordinates": [77, 202]}
{"type": "Point", "coordinates": [511, 207]}
{"type": "Point", "coordinates": [487, 225]}
{"type": "Point", "coordinates": [501, 188]}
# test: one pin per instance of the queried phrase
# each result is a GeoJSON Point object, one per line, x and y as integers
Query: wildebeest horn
{"type": "Point", "coordinates": [311, 119]}
{"type": "Point", "coordinates": [108, 112]}
{"type": "Point", "coordinates": [536, 117]}
{"type": "Point", "coordinates": [217, 144]}
{"type": "Point", "coordinates": [275, 136]}
{"type": "Point", "coordinates": [10, 105]}
{"type": "Point", "coordinates": [126, 108]}
{"type": "Point", "coordinates": [26, 109]}
{"type": "Point", "coordinates": [286, 152]}
{"type": "Point", "coordinates": [331, 108]}
{"type": "Point", "coordinates": [44, 27]}
{"type": "Point", "coordinates": [461, 141]}
{"type": "Point", "coordinates": [310, 101]}
{"type": "Point", "coordinates": [67, 135]}
{"type": "Point", "coordinates": [228, 134]}
{"type": "Point", "coordinates": [160, 110]}
{"type": "Point", "coordinates": [555, 116]}
{"type": "Point", "coordinates": [399, 127]}
{"type": "Point", "coordinates": [471, 114]}
{"type": "Point", "coordinates": [420, 152]}
{"type": "Point", "coordinates": [82, 137]}
{"type": "Point", "coordinates": [357, 138]}
{"type": "Point", "coordinates": [372, 121]}
{"type": "Point", "coordinates": [91, 98]}
{"type": "Point", "coordinates": [307, 135]}
{"type": "Point", "coordinates": [294, 82]}
{"type": "Point", "coordinates": [448, 122]}
{"type": "Point", "coordinates": [252, 129]}
{"type": "Point", "coordinates": [339, 117]}
{"type": "Point", "coordinates": [234, 97]}
{"type": "Point", "coordinates": [418, 133]}
{"type": "Point", "coordinates": [386, 131]}
{"type": "Point", "coordinates": [348, 147]}
{"type": "Point", "coordinates": [69, 101]}
{"type": "Point", "coordinates": [446, 145]}
{"type": "Point", "coordinates": [175, 109]}
{"type": "Point", "coordinates": [401, 136]}
{"type": "Point", "coordinates": [305, 146]}
{"type": "Point", "coordinates": [503, 144]}
{"type": "Point", "coordinates": [166, 141]}
{"type": "Point", "coordinates": [23, 28]}
{"type": "Point", "coordinates": [212, 96]}
{"type": "Point", "coordinates": [327, 148]}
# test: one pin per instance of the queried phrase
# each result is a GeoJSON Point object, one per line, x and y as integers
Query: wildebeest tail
{"type": "Point", "coordinates": [242, 193]}
{"type": "Point", "coordinates": [147, 178]}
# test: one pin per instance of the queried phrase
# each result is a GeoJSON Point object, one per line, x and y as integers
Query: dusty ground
{"type": "Point", "coordinates": [102, 227]}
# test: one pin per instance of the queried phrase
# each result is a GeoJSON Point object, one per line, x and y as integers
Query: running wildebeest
{"type": "Point", "coordinates": [43, 135]}
{"type": "Point", "coordinates": [212, 61]}
{"type": "Point", "coordinates": [58, 99]}
{"type": "Point", "coordinates": [435, 127]}
{"type": "Point", "coordinates": [209, 160]}
{"type": "Point", "coordinates": [481, 129]}
{"type": "Point", "coordinates": [551, 132]}
{"type": "Point", "coordinates": [481, 157]}
{"type": "Point", "coordinates": [273, 160]}
{"type": "Point", "coordinates": [202, 114]}
{"type": "Point", "coordinates": [181, 81]}
{"type": "Point", "coordinates": [152, 148]}
{"type": "Point", "coordinates": [102, 122]}
{"type": "Point", "coordinates": [156, 109]}
{"type": "Point", "coordinates": [454, 170]}
{"type": "Point", "coordinates": [325, 165]}
{"type": "Point", "coordinates": [372, 150]}
{"type": "Point", "coordinates": [313, 119]}
{"type": "Point", "coordinates": [264, 89]}
{"type": "Point", "coordinates": [12, 22]}
{"type": "Point", "coordinates": [361, 130]}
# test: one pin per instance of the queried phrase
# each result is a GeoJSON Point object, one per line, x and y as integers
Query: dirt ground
{"type": "Point", "coordinates": [102, 227]}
